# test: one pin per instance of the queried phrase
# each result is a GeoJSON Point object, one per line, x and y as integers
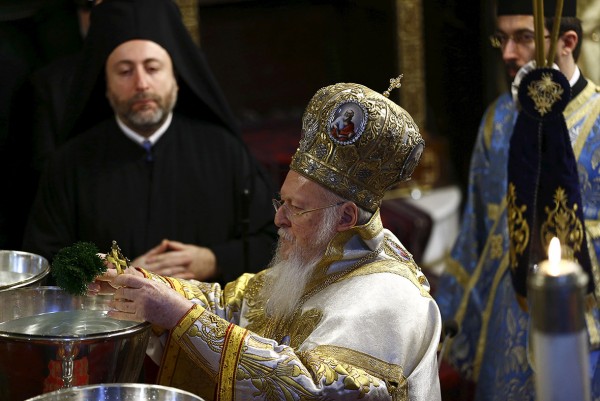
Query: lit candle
{"type": "Point", "coordinates": [559, 337]}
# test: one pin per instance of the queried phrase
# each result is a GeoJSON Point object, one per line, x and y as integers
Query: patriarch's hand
{"type": "Point", "coordinates": [140, 299]}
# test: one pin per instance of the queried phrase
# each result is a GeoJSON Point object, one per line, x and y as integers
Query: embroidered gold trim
{"type": "Point", "coordinates": [496, 246]}
{"type": "Point", "coordinates": [327, 368]}
{"type": "Point", "coordinates": [301, 328]}
{"type": "Point", "coordinates": [581, 99]}
{"type": "Point", "coordinates": [172, 348]}
{"type": "Point", "coordinates": [185, 339]}
{"type": "Point", "coordinates": [588, 110]}
{"type": "Point", "coordinates": [544, 93]}
{"type": "Point", "coordinates": [562, 222]}
{"type": "Point", "coordinates": [457, 270]}
{"type": "Point", "coordinates": [462, 308]}
{"type": "Point", "coordinates": [493, 211]}
{"type": "Point", "coordinates": [233, 294]}
{"type": "Point", "coordinates": [487, 314]}
{"type": "Point", "coordinates": [370, 364]}
{"type": "Point", "coordinates": [271, 377]}
{"type": "Point", "coordinates": [518, 229]}
{"type": "Point", "coordinates": [230, 357]}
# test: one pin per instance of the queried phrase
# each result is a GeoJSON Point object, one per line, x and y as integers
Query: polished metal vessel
{"type": "Point", "coordinates": [51, 340]}
{"type": "Point", "coordinates": [119, 392]}
{"type": "Point", "coordinates": [21, 269]}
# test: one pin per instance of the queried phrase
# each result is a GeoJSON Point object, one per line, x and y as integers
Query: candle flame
{"type": "Point", "coordinates": [554, 257]}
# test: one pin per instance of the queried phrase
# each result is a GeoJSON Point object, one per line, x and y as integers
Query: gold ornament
{"type": "Point", "coordinates": [544, 93]}
{"type": "Point", "coordinates": [357, 143]}
{"type": "Point", "coordinates": [394, 83]}
{"type": "Point", "coordinates": [518, 228]}
{"type": "Point", "coordinates": [562, 222]}
{"type": "Point", "coordinates": [115, 257]}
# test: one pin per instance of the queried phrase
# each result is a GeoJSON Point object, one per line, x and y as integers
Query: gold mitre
{"type": "Point", "coordinates": [357, 143]}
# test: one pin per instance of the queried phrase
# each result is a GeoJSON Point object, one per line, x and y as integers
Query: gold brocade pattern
{"type": "Point", "coordinates": [544, 93]}
{"type": "Point", "coordinates": [256, 316]}
{"type": "Point", "coordinates": [233, 294]}
{"type": "Point", "coordinates": [275, 383]}
{"type": "Point", "coordinates": [300, 329]}
{"type": "Point", "coordinates": [496, 246]}
{"type": "Point", "coordinates": [327, 369]}
{"type": "Point", "coordinates": [371, 365]}
{"type": "Point", "coordinates": [493, 211]}
{"type": "Point", "coordinates": [454, 268]}
{"type": "Point", "coordinates": [585, 109]}
{"type": "Point", "coordinates": [487, 315]}
{"type": "Point", "coordinates": [211, 329]}
{"type": "Point", "coordinates": [179, 367]}
{"type": "Point", "coordinates": [518, 228]}
{"type": "Point", "coordinates": [562, 222]}
{"type": "Point", "coordinates": [472, 279]}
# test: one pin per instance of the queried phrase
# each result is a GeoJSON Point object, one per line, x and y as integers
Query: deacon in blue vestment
{"type": "Point", "coordinates": [477, 290]}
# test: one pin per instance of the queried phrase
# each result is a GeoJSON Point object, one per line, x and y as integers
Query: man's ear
{"type": "Point", "coordinates": [349, 216]}
{"type": "Point", "coordinates": [569, 40]}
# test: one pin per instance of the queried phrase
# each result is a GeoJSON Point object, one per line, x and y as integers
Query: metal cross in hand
{"type": "Point", "coordinates": [115, 257]}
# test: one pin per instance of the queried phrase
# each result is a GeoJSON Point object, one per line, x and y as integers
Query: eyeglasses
{"type": "Point", "coordinates": [277, 204]}
{"type": "Point", "coordinates": [522, 38]}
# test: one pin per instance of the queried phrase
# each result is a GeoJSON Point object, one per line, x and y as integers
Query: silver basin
{"type": "Point", "coordinates": [119, 392]}
{"type": "Point", "coordinates": [51, 340]}
{"type": "Point", "coordinates": [20, 269]}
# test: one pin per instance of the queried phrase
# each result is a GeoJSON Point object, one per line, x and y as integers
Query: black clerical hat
{"type": "Point", "coordinates": [525, 7]}
{"type": "Point", "coordinates": [114, 22]}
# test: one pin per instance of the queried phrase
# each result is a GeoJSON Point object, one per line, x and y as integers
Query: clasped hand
{"type": "Point", "coordinates": [176, 259]}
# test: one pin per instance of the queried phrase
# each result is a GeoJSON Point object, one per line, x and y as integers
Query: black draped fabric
{"type": "Point", "coordinates": [544, 198]}
{"type": "Point", "coordinates": [100, 187]}
{"type": "Point", "coordinates": [50, 85]}
{"type": "Point", "coordinates": [113, 22]}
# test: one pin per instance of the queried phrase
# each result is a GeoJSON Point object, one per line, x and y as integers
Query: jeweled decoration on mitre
{"type": "Point", "coordinates": [357, 143]}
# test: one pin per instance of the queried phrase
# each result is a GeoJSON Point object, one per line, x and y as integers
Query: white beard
{"type": "Point", "coordinates": [291, 274]}
{"type": "Point", "coordinates": [290, 277]}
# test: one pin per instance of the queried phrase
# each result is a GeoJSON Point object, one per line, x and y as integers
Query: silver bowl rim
{"type": "Point", "coordinates": [30, 280]}
{"type": "Point", "coordinates": [138, 327]}
{"type": "Point", "coordinates": [66, 391]}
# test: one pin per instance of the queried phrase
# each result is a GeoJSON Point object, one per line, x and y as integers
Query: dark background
{"type": "Point", "coordinates": [270, 57]}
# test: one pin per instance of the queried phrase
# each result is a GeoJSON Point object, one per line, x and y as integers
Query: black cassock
{"type": "Point", "coordinates": [100, 187]}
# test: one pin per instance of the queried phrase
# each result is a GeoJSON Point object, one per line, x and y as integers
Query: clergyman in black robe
{"type": "Point", "coordinates": [198, 185]}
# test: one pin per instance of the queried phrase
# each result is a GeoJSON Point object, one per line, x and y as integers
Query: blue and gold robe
{"type": "Point", "coordinates": [476, 290]}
